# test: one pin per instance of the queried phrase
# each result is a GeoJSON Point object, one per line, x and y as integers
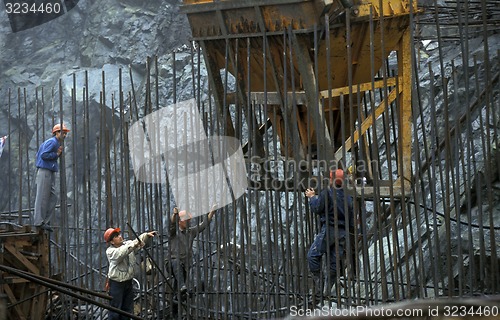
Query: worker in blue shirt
{"type": "Point", "coordinates": [335, 210]}
{"type": "Point", "coordinates": [46, 162]}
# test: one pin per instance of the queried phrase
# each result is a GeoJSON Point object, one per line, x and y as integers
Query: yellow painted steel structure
{"type": "Point", "coordinates": [326, 71]}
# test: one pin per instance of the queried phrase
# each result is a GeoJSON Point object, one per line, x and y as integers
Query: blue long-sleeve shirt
{"type": "Point", "coordinates": [46, 157]}
{"type": "Point", "coordinates": [324, 203]}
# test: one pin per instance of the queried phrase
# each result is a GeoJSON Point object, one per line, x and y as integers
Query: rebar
{"type": "Point", "coordinates": [427, 227]}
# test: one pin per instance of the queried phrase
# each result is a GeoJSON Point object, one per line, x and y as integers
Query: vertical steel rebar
{"type": "Point", "coordinates": [429, 236]}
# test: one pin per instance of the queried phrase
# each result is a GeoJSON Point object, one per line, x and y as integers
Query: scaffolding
{"type": "Point", "coordinates": [304, 87]}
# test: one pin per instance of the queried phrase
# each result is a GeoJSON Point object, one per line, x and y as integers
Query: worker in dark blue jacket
{"type": "Point", "coordinates": [47, 166]}
{"type": "Point", "coordinates": [335, 210]}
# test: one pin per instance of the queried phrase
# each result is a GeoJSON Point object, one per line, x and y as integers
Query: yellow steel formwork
{"type": "Point", "coordinates": [247, 39]}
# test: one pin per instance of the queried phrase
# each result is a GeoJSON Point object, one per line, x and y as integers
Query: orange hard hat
{"type": "Point", "coordinates": [57, 127]}
{"type": "Point", "coordinates": [184, 215]}
{"type": "Point", "coordinates": [337, 176]}
{"type": "Point", "coordinates": [109, 232]}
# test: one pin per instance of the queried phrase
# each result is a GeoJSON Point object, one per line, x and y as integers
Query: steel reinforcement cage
{"type": "Point", "coordinates": [304, 86]}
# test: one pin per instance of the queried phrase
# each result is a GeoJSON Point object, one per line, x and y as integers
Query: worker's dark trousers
{"type": "Point", "coordinates": [122, 294]}
{"type": "Point", "coordinates": [179, 272]}
{"type": "Point", "coordinates": [320, 246]}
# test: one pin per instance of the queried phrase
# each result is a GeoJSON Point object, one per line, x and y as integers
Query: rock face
{"type": "Point", "coordinates": [93, 38]}
{"type": "Point", "coordinates": [90, 35]}
{"type": "Point", "coordinates": [99, 41]}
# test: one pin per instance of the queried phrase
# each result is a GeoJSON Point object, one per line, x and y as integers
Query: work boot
{"type": "Point", "coordinates": [183, 289]}
{"type": "Point", "coordinates": [317, 289]}
{"type": "Point", "coordinates": [331, 282]}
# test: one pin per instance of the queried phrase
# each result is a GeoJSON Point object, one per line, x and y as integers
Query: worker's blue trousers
{"type": "Point", "coordinates": [322, 244]}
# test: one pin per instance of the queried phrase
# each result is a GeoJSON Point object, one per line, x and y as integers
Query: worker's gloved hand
{"type": "Point", "coordinates": [174, 214]}
{"type": "Point", "coordinates": [152, 233]}
{"type": "Point", "coordinates": [310, 193]}
{"type": "Point", "coordinates": [212, 211]}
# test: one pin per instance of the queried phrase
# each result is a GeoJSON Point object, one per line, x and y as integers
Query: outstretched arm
{"type": "Point", "coordinates": [144, 239]}
{"type": "Point", "coordinates": [175, 213]}
{"type": "Point", "coordinates": [173, 222]}
{"type": "Point", "coordinates": [212, 212]}
{"type": "Point", "coordinates": [202, 225]}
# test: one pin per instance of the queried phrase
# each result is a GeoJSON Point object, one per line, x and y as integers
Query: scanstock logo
{"type": "Point", "coordinates": [170, 145]}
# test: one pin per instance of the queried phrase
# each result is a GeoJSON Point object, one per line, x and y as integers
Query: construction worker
{"type": "Point", "coordinates": [331, 207]}
{"type": "Point", "coordinates": [181, 245]}
{"type": "Point", "coordinates": [46, 162]}
{"type": "Point", "coordinates": [121, 258]}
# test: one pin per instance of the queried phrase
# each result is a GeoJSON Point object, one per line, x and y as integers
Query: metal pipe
{"type": "Point", "coordinates": [150, 256]}
{"type": "Point", "coordinates": [55, 287]}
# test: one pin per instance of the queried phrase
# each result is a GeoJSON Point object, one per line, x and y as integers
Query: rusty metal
{"type": "Point", "coordinates": [215, 25]}
{"type": "Point", "coordinates": [27, 251]}
{"type": "Point", "coordinates": [302, 85]}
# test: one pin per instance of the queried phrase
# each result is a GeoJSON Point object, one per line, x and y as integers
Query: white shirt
{"type": "Point", "coordinates": [122, 259]}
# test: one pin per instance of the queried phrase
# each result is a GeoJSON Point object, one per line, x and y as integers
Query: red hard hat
{"type": "Point", "coordinates": [109, 232]}
{"type": "Point", "coordinates": [337, 176]}
{"type": "Point", "coordinates": [57, 127]}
